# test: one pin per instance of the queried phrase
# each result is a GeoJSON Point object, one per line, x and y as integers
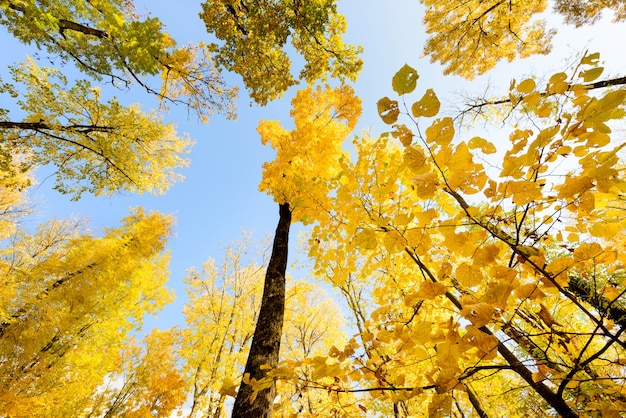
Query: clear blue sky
{"type": "Point", "coordinates": [219, 198]}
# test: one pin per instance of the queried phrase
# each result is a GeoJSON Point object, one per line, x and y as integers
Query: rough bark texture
{"type": "Point", "coordinates": [266, 341]}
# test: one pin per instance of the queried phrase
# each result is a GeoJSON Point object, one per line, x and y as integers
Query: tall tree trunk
{"type": "Point", "coordinates": [266, 341]}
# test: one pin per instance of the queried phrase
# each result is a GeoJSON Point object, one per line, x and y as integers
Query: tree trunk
{"type": "Point", "coordinates": [267, 334]}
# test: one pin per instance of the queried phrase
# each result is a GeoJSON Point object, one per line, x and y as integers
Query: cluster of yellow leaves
{"type": "Point", "coordinates": [459, 265]}
{"type": "Point", "coordinates": [68, 302]}
{"type": "Point", "coordinates": [588, 11]}
{"type": "Point", "coordinates": [255, 36]}
{"type": "Point", "coordinates": [471, 37]}
{"type": "Point", "coordinates": [308, 157]}
{"type": "Point", "coordinates": [14, 180]}
{"type": "Point", "coordinates": [223, 305]}
{"type": "Point", "coordinates": [146, 382]}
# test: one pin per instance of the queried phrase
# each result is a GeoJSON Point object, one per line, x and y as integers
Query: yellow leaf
{"type": "Point", "coordinates": [526, 86]}
{"type": "Point", "coordinates": [590, 59]}
{"type": "Point", "coordinates": [388, 110]}
{"type": "Point", "coordinates": [478, 314]}
{"type": "Point", "coordinates": [558, 268]}
{"type": "Point", "coordinates": [427, 106]}
{"type": "Point", "coordinates": [366, 239]}
{"type": "Point", "coordinates": [405, 80]}
{"type": "Point", "coordinates": [587, 251]}
{"type": "Point", "coordinates": [603, 230]}
{"type": "Point", "coordinates": [592, 74]}
{"type": "Point", "coordinates": [394, 242]}
{"type": "Point", "coordinates": [414, 158]}
{"type": "Point", "coordinates": [546, 317]}
{"type": "Point", "coordinates": [532, 99]}
{"type": "Point", "coordinates": [425, 185]}
{"type": "Point", "coordinates": [544, 111]}
{"type": "Point", "coordinates": [430, 290]}
{"type": "Point", "coordinates": [484, 145]}
{"type": "Point", "coordinates": [557, 83]}
{"type": "Point", "coordinates": [468, 275]}
{"type": "Point", "coordinates": [573, 186]}
{"type": "Point", "coordinates": [610, 292]}
{"type": "Point", "coordinates": [404, 134]}
{"type": "Point", "coordinates": [229, 388]}
{"type": "Point", "coordinates": [529, 291]}
{"type": "Point", "coordinates": [441, 132]}
{"type": "Point", "coordinates": [522, 192]}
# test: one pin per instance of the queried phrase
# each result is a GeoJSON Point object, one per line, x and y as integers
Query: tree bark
{"type": "Point", "coordinates": [265, 346]}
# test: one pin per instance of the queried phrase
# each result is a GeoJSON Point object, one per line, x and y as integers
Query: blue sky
{"type": "Point", "coordinates": [219, 197]}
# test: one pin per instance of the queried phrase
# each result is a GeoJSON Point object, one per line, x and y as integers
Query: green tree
{"type": "Point", "coordinates": [97, 145]}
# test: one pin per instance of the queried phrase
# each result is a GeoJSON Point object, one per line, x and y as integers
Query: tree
{"type": "Point", "coordinates": [254, 37]}
{"type": "Point", "coordinates": [494, 289]}
{"type": "Point", "coordinates": [109, 41]}
{"type": "Point", "coordinates": [306, 159]}
{"type": "Point", "coordinates": [313, 325]}
{"type": "Point", "coordinates": [69, 301]}
{"type": "Point", "coordinates": [105, 147]}
{"type": "Point", "coordinates": [471, 37]}
{"type": "Point", "coordinates": [145, 382]}
{"type": "Point", "coordinates": [97, 146]}
{"type": "Point", "coordinates": [223, 305]}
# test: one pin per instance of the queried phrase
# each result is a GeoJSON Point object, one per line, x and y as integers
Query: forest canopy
{"type": "Point", "coordinates": [460, 259]}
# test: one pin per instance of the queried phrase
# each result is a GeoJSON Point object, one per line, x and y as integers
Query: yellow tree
{"type": "Point", "coordinates": [471, 37]}
{"type": "Point", "coordinates": [313, 325]}
{"type": "Point", "coordinates": [97, 147]}
{"type": "Point", "coordinates": [223, 305]}
{"type": "Point", "coordinates": [14, 181]}
{"type": "Point", "coordinates": [146, 381]}
{"type": "Point", "coordinates": [100, 145]}
{"type": "Point", "coordinates": [109, 41]}
{"type": "Point", "coordinates": [307, 158]}
{"type": "Point", "coordinates": [254, 39]}
{"type": "Point", "coordinates": [499, 290]}
{"type": "Point", "coordinates": [69, 301]}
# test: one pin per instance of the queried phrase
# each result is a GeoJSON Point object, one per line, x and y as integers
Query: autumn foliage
{"type": "Point", "coordinates": [452, 272]}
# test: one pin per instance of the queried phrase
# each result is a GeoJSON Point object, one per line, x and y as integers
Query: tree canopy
{"type": "Point", "coordinates": [451, 269]}
{"type": "Point", "coordinates": [470, 37]}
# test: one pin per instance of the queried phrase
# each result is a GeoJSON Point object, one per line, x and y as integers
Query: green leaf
{"type": "Point", "coordinates": [388, 110]}
{"type": "Point", "coordinates": [405, 80]}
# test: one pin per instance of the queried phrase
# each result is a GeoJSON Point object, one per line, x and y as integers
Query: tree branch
{"type": "Point", "coordinates": [77, 27]}
{"type": "Point", "coordinates": [591, 86]}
